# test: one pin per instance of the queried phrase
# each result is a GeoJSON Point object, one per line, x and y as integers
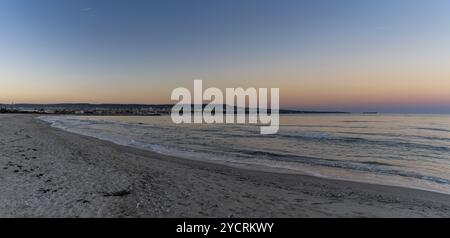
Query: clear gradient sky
{"type": "Point", "coordinates": [357, 55]}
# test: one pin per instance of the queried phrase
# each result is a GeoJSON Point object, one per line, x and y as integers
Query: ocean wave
{"type": "Point", "coordinates": [325, 126]}
{"type": "Point", "coordinates": [364, 166]}
{"type": "Point", "coordinates": [334, 138]}
{"type": "Point", "coordinates": [433, 129]}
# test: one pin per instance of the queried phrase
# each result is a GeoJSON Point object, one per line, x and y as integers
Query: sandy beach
{"type": "Point", "coordinates": [47, 172]}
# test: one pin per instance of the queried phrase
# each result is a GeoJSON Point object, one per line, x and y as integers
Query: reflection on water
{"type": "Point", "coordinates": [403, 150]}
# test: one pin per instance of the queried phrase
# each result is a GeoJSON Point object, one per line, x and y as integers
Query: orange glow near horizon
{"type": "Point", "coordinates": [306, 91]}
{"type": "Point", "coordinates": [359, 81]}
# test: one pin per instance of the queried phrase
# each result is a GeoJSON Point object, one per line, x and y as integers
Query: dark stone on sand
{"type": "Point", "coordinates": [119, 193]}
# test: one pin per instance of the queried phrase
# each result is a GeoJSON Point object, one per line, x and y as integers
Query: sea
{"type": "Point", "coordinates": [403, 150]}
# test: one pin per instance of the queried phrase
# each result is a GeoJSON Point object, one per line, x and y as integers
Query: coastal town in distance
{"type": "Point", "coordinates": [117, 109]}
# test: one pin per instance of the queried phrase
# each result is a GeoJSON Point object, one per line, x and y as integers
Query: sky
{"type": "Point", "coordinates": [351, 55]}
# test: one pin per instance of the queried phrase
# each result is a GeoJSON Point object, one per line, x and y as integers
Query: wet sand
{"type": "Point", "coordinates": [47, 172]}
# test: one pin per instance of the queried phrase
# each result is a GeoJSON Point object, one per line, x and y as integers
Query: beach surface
{"type": "Point", "coordinates": [47, 172]}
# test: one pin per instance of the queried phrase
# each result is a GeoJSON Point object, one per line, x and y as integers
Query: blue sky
{"type": "Point", "coordinates": [351, 55]}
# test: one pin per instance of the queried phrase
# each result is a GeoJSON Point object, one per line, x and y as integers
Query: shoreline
{"type": "Point", "coordinates": [307, 170]}
{"type": "Point", "coordinates": [49, 172]}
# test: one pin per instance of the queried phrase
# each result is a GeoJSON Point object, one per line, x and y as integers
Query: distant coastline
{"type": "Point", "coordinates": [115, 109]}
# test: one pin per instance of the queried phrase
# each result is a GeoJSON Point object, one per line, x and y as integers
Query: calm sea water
{"type": "Point", "coordinates": [402, 150]}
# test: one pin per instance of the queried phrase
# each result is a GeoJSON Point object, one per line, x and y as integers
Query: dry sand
{"type": "Point", "coordinates": [47, 172]}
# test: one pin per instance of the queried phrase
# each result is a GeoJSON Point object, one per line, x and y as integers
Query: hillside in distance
{"type": "Point", "coordinates": [113, 109]}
